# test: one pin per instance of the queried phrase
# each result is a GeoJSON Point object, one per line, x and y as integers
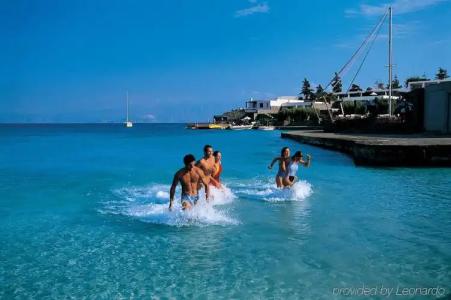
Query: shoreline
{"type": "Point", "coordinates": [414, 150]}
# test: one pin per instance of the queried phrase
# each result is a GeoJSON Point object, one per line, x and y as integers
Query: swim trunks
{"type": "Point", "coordinates": [191, 199]}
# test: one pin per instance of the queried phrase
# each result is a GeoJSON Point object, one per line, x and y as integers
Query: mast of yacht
{"type": "Point", "coordinates": [127, 105]}
{"type": "Point", "coordinates": [128, 123]}
{"type": "Point", "coordinates": [390, 63]}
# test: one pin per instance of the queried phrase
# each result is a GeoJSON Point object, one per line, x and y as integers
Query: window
{"type": "Point", "coordinates": [261, 105]}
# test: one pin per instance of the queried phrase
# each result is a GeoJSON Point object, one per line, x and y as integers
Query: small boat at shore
{"type": "Point", "coordinates": [266, 127]}
{"type": "Point", "coordinates": [206, 126]}
{"type": "Point", "coordinates": [240, 127]}
{"type": "Point", "coordinates": [218, 126]}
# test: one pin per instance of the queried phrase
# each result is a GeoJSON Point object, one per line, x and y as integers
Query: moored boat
{"type": "Point", "coordinates": [128, 123]}
{"type": "Point", "coordinates": [241, 127]}
{"type": "Point", "coordinates": [266, 127]}
{"type": "Point", "coordinates": [218, 126]}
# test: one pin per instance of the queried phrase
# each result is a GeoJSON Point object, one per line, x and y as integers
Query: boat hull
{"type": "Point", "coordinates": [266, 128]}
{"type": "Point", "coordinates": [241, 127]}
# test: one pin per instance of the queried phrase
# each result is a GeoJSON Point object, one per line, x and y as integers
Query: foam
{"type": "Point", "coordinates": [150, 204]}
{"type": "Point", "coordinates": [266, 190]}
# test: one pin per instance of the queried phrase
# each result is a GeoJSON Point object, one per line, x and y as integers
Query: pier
{"type": "Point", "coordinates": [382, 149]}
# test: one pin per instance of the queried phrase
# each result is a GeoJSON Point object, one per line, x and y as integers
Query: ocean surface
{"type": "Point", "coordinates": [83, 213]}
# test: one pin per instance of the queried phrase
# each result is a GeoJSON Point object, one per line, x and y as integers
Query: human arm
{"type": "Point", "coordinates": [306, 163]}
{"type": "Point", "coordinates": [283, 165]}
{"type": "Point", "coordinates": [215, 182]}
{"type": "Point", "coordinates": [273, 162]}
{"type": "Point", "coordinates": [205, 182]}
{"type": "Point", "coordinates": [202, 165]}
{"type": "Point", "coordinates": [172, 190]}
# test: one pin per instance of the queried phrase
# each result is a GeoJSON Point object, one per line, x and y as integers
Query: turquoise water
{"type": "Point", "coordinates": [83, 213]}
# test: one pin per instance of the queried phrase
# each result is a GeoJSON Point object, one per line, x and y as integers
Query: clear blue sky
{"type": "Point", "coordinates": [72, 61]}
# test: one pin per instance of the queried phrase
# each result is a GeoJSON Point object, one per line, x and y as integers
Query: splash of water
{"type": "Point", "coordinates": [150, 204]}
{"type": "Point", "coordinates": [265, 189]}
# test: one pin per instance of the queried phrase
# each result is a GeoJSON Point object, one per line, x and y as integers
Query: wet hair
{"type": "Point", "coordinates": [298, 154]}
{"type": "Point", "coordinates": [283, 150]}
{"type": "Point", "coordinates": [206, 147]}
{"type": "Point", "coordinates": [189, 158]}
{"type": "Point", "coordinates": [216, 153]}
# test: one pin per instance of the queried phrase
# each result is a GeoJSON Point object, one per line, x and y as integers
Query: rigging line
{"type": "Point", "coordinates": [358, 49]}
{"type": "Point", "coordinates": [366, 54]}
{"type": "Point", "coordinates": [365, 42]}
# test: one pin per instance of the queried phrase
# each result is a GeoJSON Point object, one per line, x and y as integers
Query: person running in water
{"type": "Point", "coordinates": [293, 166]}
{"type": "Point", "coordinates": [207, 163]}
{"type": "Point", "coordinates": [189, 177]}
{"type": "Point", "coordinates": [283, 160]}
{"type": "Point", "coordinates": [215, 180]}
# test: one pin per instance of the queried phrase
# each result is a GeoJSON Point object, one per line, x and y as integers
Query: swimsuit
{"type": "Point", "coordinates": [292, 170]}
{"type": "Point", "coordinates": [191, 199]}
{"type": "Point", "coordinates": [282, 173]}
{"type": "Point", "coordinates": [218, 171]}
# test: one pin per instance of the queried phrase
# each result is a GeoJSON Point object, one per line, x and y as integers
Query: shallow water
{"type": "Point", "coordinates": [83, 212]}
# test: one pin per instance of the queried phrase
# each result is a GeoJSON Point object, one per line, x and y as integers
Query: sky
{"type": "Point", "coordinates": [186, 60]}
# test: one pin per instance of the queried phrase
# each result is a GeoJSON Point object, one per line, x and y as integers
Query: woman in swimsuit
{"type": "Point", "coordinates": [292, 168]}
{"type": "Point", "coordinates": [214, 180]}
{"type": "Point", "coordinates": [283, 159]}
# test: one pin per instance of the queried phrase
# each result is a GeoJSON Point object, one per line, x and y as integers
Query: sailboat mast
{"type": "Point", "coordinates": [390, 63]}
{"type": "Point", "coordinates": [127, 106]}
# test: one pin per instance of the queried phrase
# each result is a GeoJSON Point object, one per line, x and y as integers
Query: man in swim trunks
{"type": "Point", "coordinates": [207, 163]}
{"type": "Point", "coordinates": [189, 177]}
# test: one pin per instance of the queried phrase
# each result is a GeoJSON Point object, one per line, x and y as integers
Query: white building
{"type": "Point", "coordinates": [274, 105]}
{"type": "Point", "coordinates": [423, 84]}
{"type": "Point", "coordinates": [369, 96]}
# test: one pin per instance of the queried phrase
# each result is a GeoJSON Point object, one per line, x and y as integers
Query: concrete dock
{"type": "Point", "coordinates": [382, 149]}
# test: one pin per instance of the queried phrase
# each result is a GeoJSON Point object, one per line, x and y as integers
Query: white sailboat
{"type": "Point", "coordinates": [266, 127]}
{"type": "Point", "coordinates": [240, 127]}
{"type": "Point", "coordinates": [128, 123]}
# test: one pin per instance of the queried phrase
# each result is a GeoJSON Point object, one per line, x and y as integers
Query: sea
{"type": "Point", "coordinates": [84, 215]}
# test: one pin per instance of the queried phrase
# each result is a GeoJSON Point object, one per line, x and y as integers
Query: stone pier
{"type": "Point", "coordinates": [382, 149]}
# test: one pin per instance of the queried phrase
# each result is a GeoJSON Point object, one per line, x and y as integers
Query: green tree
{"type": "Point", "coordinates": [441, 74]}
{"type": "Point", "coordinates": [380, 85]}
{"type": "Point", "coordinates": [320, 93]}
{"type": "Point", "coordinates": [395, 83]}
{"type": "Point", "coordinates": [306, 89]}
{"type": "Point", "coordinates": [355, 88]}
{"type": "Point", "coordinates": [337, 85]}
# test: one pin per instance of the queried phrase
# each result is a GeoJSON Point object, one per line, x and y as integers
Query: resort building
{"type": "Point", "coordinates": [437, 107]}
{"type": "Point", "coordinates": [369, 95]}
{"type": "Point", "coordinates": [425, 83]}
{"type": "Point", "coordinates": [273, 106]}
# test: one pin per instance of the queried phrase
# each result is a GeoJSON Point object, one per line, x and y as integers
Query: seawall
{"type": "Point", "coordinates": [382, 150]}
